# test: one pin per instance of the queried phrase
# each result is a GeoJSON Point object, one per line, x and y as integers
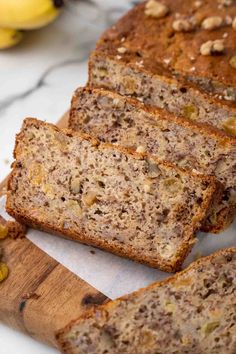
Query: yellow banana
{"type": "Point", "coordinates": [28, 14]}
{"type": "Point", "coordinates": [9, 37]}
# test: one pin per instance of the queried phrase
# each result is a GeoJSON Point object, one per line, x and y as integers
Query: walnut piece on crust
{"type": "Point", "coordinates": [212, 22]}
{"type": "Point", "coordinates": [156, 9]}
{"type": "Point", "coordinates": [212, 47]}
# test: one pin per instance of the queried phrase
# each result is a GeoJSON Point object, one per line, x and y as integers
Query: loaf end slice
{"type": "Point", "coordinates": [191, 312]}
{"type": "Point", "coordinates": [145, 57]}
{"type": "Point", "coordinates": [128, 203]}
{"type": "Point", "coordinates": [125, 121]}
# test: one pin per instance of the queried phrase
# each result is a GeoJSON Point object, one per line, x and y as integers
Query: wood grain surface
{"type": "Point", "coordinates": [41, 296]}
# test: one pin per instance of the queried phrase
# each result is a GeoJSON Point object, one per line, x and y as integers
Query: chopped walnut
{"type": "Point", "coordinates": [212, 47]}
{"type": "Point", "coordinates": [156, 9]}
{"type": "Point", "coordinates": [122, 50]}
{"type": "Point", "coordinates": [212, 22]}
{"type": "Point", "coordinates": [183, 25]}
{"type": "Point", "coordinates": [232, 61]}
{"type": "Point", "coordinates": [234, 24]}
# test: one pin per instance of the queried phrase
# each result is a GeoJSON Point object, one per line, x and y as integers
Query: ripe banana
{"type": "Point", "coordinates": [28, 14]}
{"type": "Point", "coordinates": [9, 37]}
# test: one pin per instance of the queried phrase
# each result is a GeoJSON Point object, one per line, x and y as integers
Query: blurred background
{"type": "Point", "coordinates": [37, 79]}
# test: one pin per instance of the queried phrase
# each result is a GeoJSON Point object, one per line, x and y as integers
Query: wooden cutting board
{"type": "Point", "coordinates": [41, 296]}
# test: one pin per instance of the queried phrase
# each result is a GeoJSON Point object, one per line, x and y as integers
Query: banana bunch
{"type": "Point", "coordinates": [18, 15]}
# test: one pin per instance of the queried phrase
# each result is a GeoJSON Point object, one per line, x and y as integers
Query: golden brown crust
{"type": "Point", "coordinates": [165, 52]}
{"type": "Point", "coordinates": [213, 193]}
{"type": "Point", "coordinates": [64, 345]}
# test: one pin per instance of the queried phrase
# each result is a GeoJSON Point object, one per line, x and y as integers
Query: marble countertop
{"type": "Point", "coordinates": [37, 80]}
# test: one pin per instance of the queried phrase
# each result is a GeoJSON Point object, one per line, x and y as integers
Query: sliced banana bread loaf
{"type": "Point", "coordinates": [179, 55]}
{"type": "Point", "coordinates": [192, 312]}
{"type": "Point", "coordinates": [128, 203]}
{"type": "Point", "coordinates": [121, 120]}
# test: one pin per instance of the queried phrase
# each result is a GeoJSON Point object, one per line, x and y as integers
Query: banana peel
{"type": "Point", "coordinates": [27, 14]}
{"type": "Point", "coordinates": [9, 37]}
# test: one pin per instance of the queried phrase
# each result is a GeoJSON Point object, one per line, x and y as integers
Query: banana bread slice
{"type": "Point", "coordinates": [121, 120]}
{"type": "Point", "coordinates": [124, 202]}
{"type": "Point", "coordinates": [190, 312]}
{"type": "Point", "coordinates": [164, 60]}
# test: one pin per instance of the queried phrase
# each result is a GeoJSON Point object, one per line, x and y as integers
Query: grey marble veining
{"type": "Point", "coordinates": [39, 76]}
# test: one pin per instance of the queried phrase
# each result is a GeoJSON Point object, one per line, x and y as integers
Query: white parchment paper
{"type": "Point", "coordinates": [115, 276]}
